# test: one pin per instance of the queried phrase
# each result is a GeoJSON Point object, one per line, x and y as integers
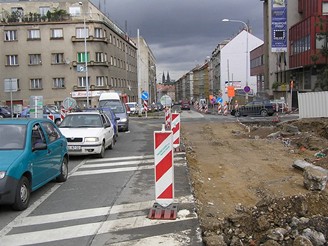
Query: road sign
{"type": "Point", "coordinates": [10, 85]}
{"type": "Point", "coordinates": [219, 100]}
{"type": "Point", "coordinates": [247, 89]}
{"type": "Point", "coordinates": [144, 95]}
{"type": "Point", "coordinates": [81, 68]}
{"type": "Point", "coordinates": [69, 103]}
{"type": "Point", "coordinates": [166, 101]}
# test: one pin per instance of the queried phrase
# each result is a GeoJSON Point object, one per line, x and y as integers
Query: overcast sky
{"type": "Point", "coordinates": [182, 33]}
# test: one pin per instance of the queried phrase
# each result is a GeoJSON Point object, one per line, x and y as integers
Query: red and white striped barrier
{"type": "Point", "coordinates": [225, 109]}
{"type": "Point", "coordinates": [236, 105]}
{"type": "Point", "coordinates": [219, 108]}
{"type": "Point", "coordinates": [145, 105]}
{"type": "Point", "coordinates": [164, 171]}
{"type": "Point", "coordinates": [63, 113]}
{"type": "Point", "coordinates": [168, 118]}
{"type": "Point", "coordinates": [176, 129]}
{"type": "Point", "coordinates": [206, 109]}
{"type": "Point", "coordinates": [51, 117]}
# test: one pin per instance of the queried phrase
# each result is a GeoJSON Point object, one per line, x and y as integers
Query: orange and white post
{"type": "Point", "coordinates": [164, 170]}
{"type": "Point", "coordinates": [176, 129]}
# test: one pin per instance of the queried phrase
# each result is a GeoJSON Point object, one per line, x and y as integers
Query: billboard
{"type": "Point", "coordinates": [279, 26]}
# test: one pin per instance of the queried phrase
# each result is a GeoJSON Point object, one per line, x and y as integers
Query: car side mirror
{"type": "Point", "coordinates": [117, 118]}
{"type": "Point", "coordinates": [106, 125]}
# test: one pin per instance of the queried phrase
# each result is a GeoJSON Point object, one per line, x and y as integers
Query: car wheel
{"type": "Point", "coordinates": [57, 122]}
{"type": "Point", "coordinates": [264, 113]}
{"type": "Point", "coordinates": [63, 171]}
{"type": "Point", "coordinates": [1, 116]}
{"type": "Point", "coordinates": [102, 152]}
{"type": "Point", "coordinates": [23, 193]}
{"type": "Point", "coordinates": [237, 114]}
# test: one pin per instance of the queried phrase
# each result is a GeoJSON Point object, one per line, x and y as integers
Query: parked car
{"type": "Point", "coordinates": [4, 113]}
{"type": "Point", "coordinates": [159, 106]}
{"type": "Point", "coordinates": [46, 112]}
{"type": "Point", "coordinates": [120, 111]}
{"type": "Point", "coordinates": [33, 152]}
{"type": "Point", "coordinates": [112, 117]}
{"type": "Point", "coordinates": [88, 133]}
{"type": "Point", "coordinates": [262, 108]}
{"type": "Point", "coordinates": [133, 106]}
{"type": "Point", "coordinates": [185, 105]}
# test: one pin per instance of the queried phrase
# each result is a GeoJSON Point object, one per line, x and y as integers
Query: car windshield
{"type": "Point", "coordinates": [81, 121]}
{"type": "Point", "coordinates": [12, 137]}
{"type": "Point", "coordinates": [116, 106]}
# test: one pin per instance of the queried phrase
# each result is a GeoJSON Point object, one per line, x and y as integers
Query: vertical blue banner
{"type": "Point", "coordinates": [279, 26]}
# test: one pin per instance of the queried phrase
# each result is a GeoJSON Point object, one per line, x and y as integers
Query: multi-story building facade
{"type": "Point", "coordinates": [147, 69]}
{"type": "Point", "coordinates": [64, 48]}
{"type": "Point", "coordinates": [300, 58]}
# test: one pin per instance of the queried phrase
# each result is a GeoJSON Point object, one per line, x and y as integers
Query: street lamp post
{"type": "Point", "coordinates": [85, 57]}
{"type": "Point", "coordinates": [247, 30]}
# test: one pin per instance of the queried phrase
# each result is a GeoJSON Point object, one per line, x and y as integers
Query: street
{"type": "Point", "coordinates": [106, 201]}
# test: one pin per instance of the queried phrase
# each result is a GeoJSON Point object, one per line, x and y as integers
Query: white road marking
{"type": "Point", "coordinates": [88, 229]}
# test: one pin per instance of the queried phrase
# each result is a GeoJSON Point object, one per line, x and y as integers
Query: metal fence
{"type": "Point", "coordinates": [313, 104]}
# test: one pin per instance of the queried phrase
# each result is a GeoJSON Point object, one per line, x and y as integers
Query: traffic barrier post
{"type": "Point", "coordinates": [176, 130]}
{"type": "Point", "coordinates": [225, 109]}
{"type": "Point", "coordinates": [51, 117]}
{"type": "Point", "coordinates": [164, 176]}
{"type": "Point", "coordinates": [219, 108]}
{"type": "Point", "coordinates": [168, 118]}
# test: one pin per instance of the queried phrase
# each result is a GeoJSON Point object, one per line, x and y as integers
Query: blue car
{"type": "Point", "coordinates": [46, 112]}
{"type": "Point", "coordinates": [33, 152]}
{"type": "Point", "coordinates": [113, 119]}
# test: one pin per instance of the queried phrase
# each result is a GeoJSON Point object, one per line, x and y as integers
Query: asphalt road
{"type": "Point", "coordinates": [106, 201]}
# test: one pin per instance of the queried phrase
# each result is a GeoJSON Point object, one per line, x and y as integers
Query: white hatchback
{"type": "Point", "coordinates": [88, 133]}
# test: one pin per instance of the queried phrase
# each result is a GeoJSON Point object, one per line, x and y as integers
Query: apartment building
{"type": "Point", "coordinates": [64, 48]}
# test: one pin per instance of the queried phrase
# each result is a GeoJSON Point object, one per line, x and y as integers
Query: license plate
{"type": "Point", "coordinates": [74, 148]}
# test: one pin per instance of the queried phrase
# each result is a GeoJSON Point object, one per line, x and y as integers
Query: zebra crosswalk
{"type": "Point", "coordinates": [118, 224]}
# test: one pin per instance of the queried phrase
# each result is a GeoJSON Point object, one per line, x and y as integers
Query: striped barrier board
{"type": "Point", "coordinates": [164, 171]}
{"type": "Point", "coordinates": [51, 117]}
{"type": "Point", "coordinates": [168, 118]}
{"type": "Point", "coordinates": [176, 129]}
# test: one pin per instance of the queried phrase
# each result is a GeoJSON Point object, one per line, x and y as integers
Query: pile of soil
{"type": "Point", "coordinates": [247, 191]}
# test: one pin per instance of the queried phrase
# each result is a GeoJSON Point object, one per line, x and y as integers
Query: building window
{"type": "Point", "coordinates": [75, 11]}
{"type": "Point", "coordinates": [81, 57]}
{"type": "Point", "coordinates": [80, 33]}
{"type": "Point", "coordinates": [100, 81]}
{"type": "Point", "coordinates": [110, 38]}
{"type": "Point", "coordinates": [114, 62]}
{"type": "Point", "coordinates": [82, 81]}
{"type": "Point", "coordinates": [111, 81]}
{"type": "Point", "coordinates": [57, 33]}
{"type": "Point", "coordinates": [35, 59]}
{"type": "Point", "coordinates": [325, 8]}
{"type": "Point", "coordinates": [98, 33]}
{"type": "Point", "coordinates": [59, 82]}
{"type": "Point", "coordinates": [57, 58]}
{"type": "Point", "coordinates": [101, 57]}
{"type": "Point", "coordinates": [44, 10]}
{"type": "Point", "coordinates": [35, 84]}
{"type": "Point", "coordinates": [12, 60]}
{"type": "Point", "coordinates": [34, 34]}
{"type": "Point", "coordinates": [10, 35]}
{"type": "Point", "coordinates": [320, 41]}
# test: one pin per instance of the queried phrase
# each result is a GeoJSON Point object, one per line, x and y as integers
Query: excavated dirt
{"type": "Point", "coordinates": [248, 192]}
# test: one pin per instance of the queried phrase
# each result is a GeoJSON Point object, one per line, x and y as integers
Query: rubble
{"type": "Point", "coordinates": [249, 170]}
